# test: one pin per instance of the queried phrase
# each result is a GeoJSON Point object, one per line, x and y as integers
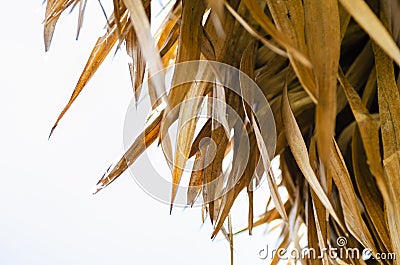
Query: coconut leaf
{"type": "Point", "coordinates": [100, 51]}
{"type": "Point", "coordinates": [299, 150]}
{"type": "Point", "coordinates": [327, 70]}
{"type": "Point", "coordinates": [371, 24]}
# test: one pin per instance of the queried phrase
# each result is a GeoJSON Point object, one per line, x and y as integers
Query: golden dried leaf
{"type": "Point", "coordinates": [348, 197]}
{"type": "Point", "coordinates": [269, 27]}
{"type": "Point", "coordinates": [361, 13]}
{"type": "Point", "coordinates": [145, 139]}
{"type": "Point", "coordinates": [369, 192]}
{"type": "Point", "coordinates": [289, 18]}
{"type": "Point", "coordinates": [369, 129]}
{"type": "Point", "coordinates": [49, 24]}
{"type": "Point", "coordinates": [100, 50]}
{"type": "Point", "coordinates": [322, 27]}
{"type": "Point", "coordinates": [299, 150]}
{"type": "Point", "coordinates": [389, 111]}
{"type": "Point", "coordinates": [276, 197]}
{"type": "Point", "coordinates": [140, 23]}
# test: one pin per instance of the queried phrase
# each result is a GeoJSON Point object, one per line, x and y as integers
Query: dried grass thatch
{"type": "Point", "coordinates": [329, 70]}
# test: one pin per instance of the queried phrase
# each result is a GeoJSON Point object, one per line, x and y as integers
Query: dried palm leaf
{"type": "Point", "coordinates": [330, 72]}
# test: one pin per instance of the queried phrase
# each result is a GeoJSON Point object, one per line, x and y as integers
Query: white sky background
{"type": "Point", "coordinates": [47, 213]}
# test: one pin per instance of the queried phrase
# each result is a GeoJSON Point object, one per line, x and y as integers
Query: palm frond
{"type": "Point", "coordinates": [330, 72]}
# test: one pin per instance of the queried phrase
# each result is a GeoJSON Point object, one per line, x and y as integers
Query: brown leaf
{"type": "Point", "coordinates": [189, 46]}
{"type": "Point", "coordinates": [145, 139]}
{"type": "Point", "coordinates": [204, 133]}
{"type": "Point", "coordinates": [289, 19]}
{"type": "Point", "coordinates": [321, 221]}
{"type": "Point", "coordinates": [49, 24]}
{"type": "Point", "coordinates": [82, 8]}
{"type": "Point", "coordinates": [54, 9]}
{"type": "Point", "coordinates": [323, 39]}
{"type": "Point", "coordinates": [100, 50]}
{"type": "Point", "coordinates": [243, 182]}
{"type": "Point", "coordinates": [137, 66]}
{"type": "Point", "coordinates": [147, 44]}
{"type": "Point", "coordinates": [369, 129]}
{"type": "Point", "coordinates": [167, 42]}
{"type": "Point", "coordinates": [369, 192]}
{"type": "Point", "coordinates": [351, 210]}
{"type": "Point", "coordinates": [299, 150]}
{"type": "Point", "coordinates": [269, 27]}
{"type": "Point", "coordinates": [188, 116]}
{"type": "Point", "coordinates": [276, 197]}
{"type": "Point", "coordinates": [214, 170]}
{"type": "Point", "coordinates": [254, 33]}
{"type": "Point", "coordinates": [389, 111]}
{"type": "Point", "coordinates": [366, 18]}
{"type": "Point", "coordinates": [196, 178]}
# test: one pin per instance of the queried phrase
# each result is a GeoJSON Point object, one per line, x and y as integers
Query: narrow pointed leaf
{"type": "Point", "coordinates": [299, 150]}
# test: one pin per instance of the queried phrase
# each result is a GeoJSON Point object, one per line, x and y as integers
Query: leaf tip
{"type": "Point", "coordinates": [96, 189]}
{"type": "Point", "coordinates": [51, 131]}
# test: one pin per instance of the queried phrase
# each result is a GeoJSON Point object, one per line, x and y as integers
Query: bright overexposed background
{"type": "Point", "coordinates": [48, 215]}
